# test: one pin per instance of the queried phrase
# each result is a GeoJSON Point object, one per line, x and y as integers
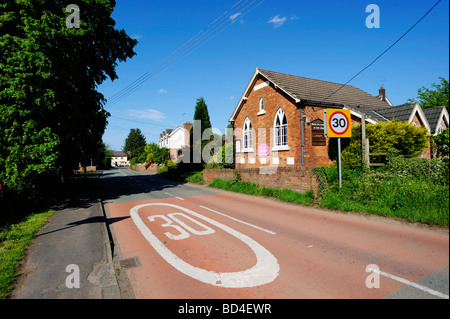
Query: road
{"type": "Point", "coordinates": [184, 241]}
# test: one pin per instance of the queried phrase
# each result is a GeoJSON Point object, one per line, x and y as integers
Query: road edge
{"type": "Point", "coordinates": [109, 285]}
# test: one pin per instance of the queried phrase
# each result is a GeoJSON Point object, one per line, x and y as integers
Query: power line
{"type": "Point", "coordinates": [379, 56]}
{"type": "Point", "coordinates": [137, 121]}
{"type": "Point", "coordinates": [173, 53]}
{"type": "Point", "coordinates": [183, 50]}
{"type": "Point", "coordinates": [212, 30]}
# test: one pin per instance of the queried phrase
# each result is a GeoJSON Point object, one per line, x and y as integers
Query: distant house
{"type": "Point", "coordinates": [279, 118]}
{"type": "Point", "coordinates": [175, 140]}
{"type": "Point", "coordinates": [119, 159]}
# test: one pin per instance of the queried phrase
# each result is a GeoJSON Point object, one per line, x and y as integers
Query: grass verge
{"type": "Point", "coordinates": [14, 239]}
{"type": "Point", "coordinates": [285, 195]}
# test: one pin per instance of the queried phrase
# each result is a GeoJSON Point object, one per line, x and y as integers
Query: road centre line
{"type": "Point", "coordinates": [174, 196]}
{"type": "Point", "coordinates": [413, 284]}
{"type": "Point", "coordinates": [238, 220]}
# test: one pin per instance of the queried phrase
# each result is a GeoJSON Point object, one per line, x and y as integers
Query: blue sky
{"type": "Point", "coordinates": [326, 40]}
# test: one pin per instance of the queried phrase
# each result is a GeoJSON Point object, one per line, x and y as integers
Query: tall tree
{"type": "Point", "coordinates": [201, 117]}
{"type": "Point", "coordinates": [201, 114]}
{"type": "Point", "coordinates": [51, 115]}
{"type": "Point", "coordinates": [438, 95]}
{"type": "Point", "coordinates": [134, 143]}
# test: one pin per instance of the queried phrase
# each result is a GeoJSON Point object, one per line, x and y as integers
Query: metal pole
{"type": "Point", "coordinates": [339, 163]}
{"type": "Point", "coordinates": [363, 138]}
{"type": "Point", "coordinates": [301, 136]}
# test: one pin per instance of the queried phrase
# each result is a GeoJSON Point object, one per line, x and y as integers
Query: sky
{"type": "Point", "coordinates": [322, 39]}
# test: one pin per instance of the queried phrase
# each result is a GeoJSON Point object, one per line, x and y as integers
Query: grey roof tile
{"type": "Point", "coordinates": [322, 91]}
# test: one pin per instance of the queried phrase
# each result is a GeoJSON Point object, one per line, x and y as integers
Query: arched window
{"type": "Point", "coordinates": [248, 134]}
{"type": "Point", "coordinates": [281, 129]}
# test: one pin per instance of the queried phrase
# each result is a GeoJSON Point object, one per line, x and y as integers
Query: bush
{"type": "Point", "coordinates": [441, 143]}
{"type": "Point", "coordinates": [435, 171]}
{"type": "Point", "coordinates": [134, 161]}
{"type": "Point", "coordinates": [405, 137]}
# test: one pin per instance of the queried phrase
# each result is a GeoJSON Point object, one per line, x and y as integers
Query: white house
{"type": "Point", "coordinates": [175, 140]}
{"type": "Point", "coordinates": [119, 158]}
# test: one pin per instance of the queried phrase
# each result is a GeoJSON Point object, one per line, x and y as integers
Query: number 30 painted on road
{"type": "Point", "coordinates": [265, 270]}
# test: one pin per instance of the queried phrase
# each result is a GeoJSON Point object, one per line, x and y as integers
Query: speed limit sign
{"type": "Point", "coordinates": [338, 123]}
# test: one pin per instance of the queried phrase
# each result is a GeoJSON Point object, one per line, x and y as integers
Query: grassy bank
{"type": "Point", "coordinates": [385, 194]}
{"type": "Point", "coordinates": [285, 195]}
{"type": "Point", "coordinates": [14, 239]}
{"type": "Point", "coordinates": [185, 174]}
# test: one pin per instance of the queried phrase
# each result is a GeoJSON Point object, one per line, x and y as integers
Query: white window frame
{"type": "Point", "coordinates": [280, 137]}
{"type": "Point", "coordinates": [262, 109]}
{"type": "Point", "coordinates": [247, 136]}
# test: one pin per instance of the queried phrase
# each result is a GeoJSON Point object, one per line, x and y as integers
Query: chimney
{"type": "Point", "coordinates": [187, 131]}
{"type": "Point", "coordinates": [382, 94]}
{"type": "Point", "coordinates": [187, 126]}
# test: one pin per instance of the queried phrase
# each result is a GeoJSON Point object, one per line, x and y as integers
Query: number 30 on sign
{"type": "Point", "coordinates": [338, 123]}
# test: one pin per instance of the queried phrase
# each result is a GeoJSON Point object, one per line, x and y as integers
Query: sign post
{"type": "Point", "coordinates": [338, 125]}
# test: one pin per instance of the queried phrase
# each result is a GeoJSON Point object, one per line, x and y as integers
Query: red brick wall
{"type": "Point", "coordinates": [262, 133]}
{"type": "Point", "coordinates": [297, 178]}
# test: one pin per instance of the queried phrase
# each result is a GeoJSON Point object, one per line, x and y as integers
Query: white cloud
{"type": "Point", "coordinates": [162, 91]}
{"type": "Point", "coordinates": [137, 36]}
{"type": "Point", "coordinates": [231, 98]}
{"type": "Point", "coordinates": [148, 114]}
{"type": "Point", "coordinates": [277, 21]}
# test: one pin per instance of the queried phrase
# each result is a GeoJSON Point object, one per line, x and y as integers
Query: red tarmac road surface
{"type": "Point", "coordinates": [266, 250]}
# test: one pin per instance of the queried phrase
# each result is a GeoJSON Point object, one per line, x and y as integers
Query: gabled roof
{"type": "Point", "coordinates": [175, 130]}
{"type": "Point", "coordinates": [434, 116]}
{"type": "Point", "coordinates": [400, 112]}
{"type": "Point", "coordinates": [307, 90]}
{"type": "Point", "coordinates": [119, 154]}
{"type": "Point", "coordinates": [406, 113]}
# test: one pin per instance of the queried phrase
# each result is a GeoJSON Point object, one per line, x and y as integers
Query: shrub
{"type": "Point", "coordinates": [405, 137]}
{"type": "Point", "coordinates": [405, 189]}
{"type": "Point", "coordinates": [435, 170]}
{"type": "Point", "coordinates": [441, 143]}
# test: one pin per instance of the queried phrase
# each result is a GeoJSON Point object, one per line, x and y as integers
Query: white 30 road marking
{"type": "Point", "coordinates": [264, 272]}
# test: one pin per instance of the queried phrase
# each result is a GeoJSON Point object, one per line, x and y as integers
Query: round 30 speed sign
{"type": "Point", "coordinates": [338, 123]}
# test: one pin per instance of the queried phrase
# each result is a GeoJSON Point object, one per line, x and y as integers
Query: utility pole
{"type": "Point", "coordinates": [363, 138]}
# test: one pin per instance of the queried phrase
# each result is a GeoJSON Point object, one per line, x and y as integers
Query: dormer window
{"type": "Point", "coordinates": [261, 107]}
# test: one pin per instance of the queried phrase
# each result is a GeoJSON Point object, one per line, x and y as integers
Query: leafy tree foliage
{"type": "Point", "coordinates": [438, 95]}
{"type": "Point", "coordinates": [408, 139]}
{"type": "Point", "coordinates": [134, 143]}
{"type": "Point", "coordinates": [201, 116]}
{"type": "Point", "coordinates": [441, 143]}
{"type": "Point", "coordinates": [51, 115]}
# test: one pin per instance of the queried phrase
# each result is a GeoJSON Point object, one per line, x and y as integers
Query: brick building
{"type": "Point", "coordinates": [279, 119]}
{"type": "Point", "coordinates": [278, 122]}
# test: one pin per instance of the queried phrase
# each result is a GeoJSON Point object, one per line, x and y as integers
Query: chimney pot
{"type": "Point", "coordinates": [382, 94]}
